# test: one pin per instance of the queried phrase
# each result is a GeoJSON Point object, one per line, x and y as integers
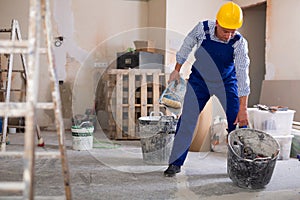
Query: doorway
{"type": "Point", "coordinates": [254, 30]}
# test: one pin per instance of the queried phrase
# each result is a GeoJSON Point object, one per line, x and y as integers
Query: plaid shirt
{"type": "Point", "coordinates": [241, 58]}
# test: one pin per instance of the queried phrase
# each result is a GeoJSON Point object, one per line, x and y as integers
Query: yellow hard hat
{"type": "Point", "coordinates": [230, 16]}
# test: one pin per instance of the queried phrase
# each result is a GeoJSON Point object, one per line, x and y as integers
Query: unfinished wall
{"type": "Point", "coordinates": [108, 28]}
{"type": "Point", "coordinates": [84, 25]}
{"type": "Point", "coordinates": [283, 42]}
{"type": "Point", "coordinates": [157, 18]}
{"type": "Point", "coordinates": [255, 16]}
{"type": "Point", "coordinates": [181, 17]}
{"type": "Point", "coordinates": [19, 10]}
{"type": "Point", "coordinates": [247, 3]}
{"type": "Point", "coordinates": [14, 9]}
{"type": "Point", "coordinates": [157, 13]}
{"type": "Point", "coordinates": [97, 29]}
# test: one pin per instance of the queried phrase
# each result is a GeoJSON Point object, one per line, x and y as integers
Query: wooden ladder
{"type": "Point", "coordinates": [6, 85]}
{"type": "Point", "coordinates": [39, 14]}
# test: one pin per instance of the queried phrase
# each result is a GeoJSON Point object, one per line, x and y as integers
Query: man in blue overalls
{"type": "Point", "coordinates": [220, 69]}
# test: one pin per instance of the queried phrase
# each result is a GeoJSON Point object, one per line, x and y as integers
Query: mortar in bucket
{"type": "Point", "coordinates": [82, 136]}
{"type": "Point", "coordinates": [156, 137]}
{"type": "Point", "coordinates": [251, 157]}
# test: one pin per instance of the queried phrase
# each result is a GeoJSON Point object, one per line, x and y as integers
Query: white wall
{"type": "Point", "coordinates": [255, 16]}
{"type": "Point", "coordinates": [19, 10]}
{"type": "Point", "coordinates": [85, 24]}
{"type": "Point", "coordinates": [157, 13]}
{"type": "Point", "coordinates": [244, 3]}
{"type": "Point", "coordinates": [14, 9]}
{"type": "Point", "coordinates": [157, 20]}
{"type": "Point", "coordinates": [181, 17]}
{"type": "Point", "coordinates": [96, 20]}
{"type": "Point", "coordinates": [282, 40]}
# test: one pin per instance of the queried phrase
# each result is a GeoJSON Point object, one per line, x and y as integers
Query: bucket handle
{"type": "Point", "coordinates": [85, 122]}
{"type": "Point", "coordinates": [152, 113]}
{"type": "Point", "coordinates": [248, 126]}
{"type": "Point", "coordinates": [167, 123]}
{"type": "Point", "coordinates": [262, 159]}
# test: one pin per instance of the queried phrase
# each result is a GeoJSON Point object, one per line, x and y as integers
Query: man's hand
{"type": "Point", "coordinates": [242, 116]}
{"type": "Point", "coordinates": [174, 76]}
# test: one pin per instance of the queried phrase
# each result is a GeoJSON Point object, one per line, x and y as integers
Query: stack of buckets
{"type": "Point", "coordinates": [279, 125]}
{"type": "Point", "coordinates": [82, 136]}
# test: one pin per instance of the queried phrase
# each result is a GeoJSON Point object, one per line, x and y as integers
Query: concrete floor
{"type": "Point", "coordinates": [117, 171]}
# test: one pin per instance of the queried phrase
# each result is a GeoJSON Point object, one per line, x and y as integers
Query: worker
{"type": "Point", "coordinates": [221, 68]}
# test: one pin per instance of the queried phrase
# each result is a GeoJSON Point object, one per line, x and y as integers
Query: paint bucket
{"type": "Point", "coordinates": [251, 157]}
{"type": "Point", "coordinates": [82, 136]}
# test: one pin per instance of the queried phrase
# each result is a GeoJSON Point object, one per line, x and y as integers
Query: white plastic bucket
{"type": "Point", "coordinates": [285, 142]}
{"type": "Point", "coordinates": [82, 137]}
{"type": "Point", "coordinates": [278, 123]}
{"type": "Point", "coordinates": [12, 130]}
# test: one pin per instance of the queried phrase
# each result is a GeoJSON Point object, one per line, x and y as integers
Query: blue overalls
{"type": "Point", "coordinates": [213, 73]}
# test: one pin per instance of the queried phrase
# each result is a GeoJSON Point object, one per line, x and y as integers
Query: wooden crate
{"type": "Point", "coordinates": [133, 93]}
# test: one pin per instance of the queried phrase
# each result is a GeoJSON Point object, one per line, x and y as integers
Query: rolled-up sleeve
{"type": "Point", "coordinates": [242, 62]}
{"type": "Point", "coordinates": [189, 42]}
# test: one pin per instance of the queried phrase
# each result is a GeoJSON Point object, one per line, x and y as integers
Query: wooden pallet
{"type": "Point", "coordinates": [133, 93]}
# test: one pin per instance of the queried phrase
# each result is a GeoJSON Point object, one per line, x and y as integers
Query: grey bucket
{"type": "Point", "coordinates": [157, 148]}
{"type": "Point", "coordinates": [251, 157]}
{"type": "Point", "coordinates": [156, 137]}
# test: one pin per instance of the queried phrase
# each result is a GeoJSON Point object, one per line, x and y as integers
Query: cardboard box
{"type": "Point", "coordinates": [144, 45]}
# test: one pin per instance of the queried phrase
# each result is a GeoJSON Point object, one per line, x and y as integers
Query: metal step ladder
{"type": "Point", "coordinates": [39, 14]}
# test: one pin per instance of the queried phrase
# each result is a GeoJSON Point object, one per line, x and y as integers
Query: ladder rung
{"type": "Point", "coordinates": [38, 155]}
{"type": "Point", "coordinates": [12, 186]}
{"type": "Point", "coordinates": [18, 46]}
{"type": "Point", "coordinates": [19, 109]}
{"type": "Point", "coordinates": [14, 126]}
{"type": "Point", "coordinates": [43, 50]}
{"type": "Point", "coordinates": [49, 155]}
{"type": "Point", "coordinates": [14, 70]}
{"type": "Point", "coordinates": [45, 105]}
{"type": "Point", "coordinates": [5, 30]}
{"type": "Point", "coordinates": [13, 109]}
{"type": "Point", "coordinates": [14, 90]}
{"type": "Point", "coordinates": [8, 46]}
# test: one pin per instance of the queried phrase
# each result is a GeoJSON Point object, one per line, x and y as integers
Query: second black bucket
{"type": "Point", "coordinates": [251, 157]}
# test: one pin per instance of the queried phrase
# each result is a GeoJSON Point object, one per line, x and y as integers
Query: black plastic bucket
{"type": "Point", "coordinates": [251, 157]}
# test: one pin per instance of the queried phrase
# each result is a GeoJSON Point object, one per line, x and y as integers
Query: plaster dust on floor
{"type": "Point", "coordinates": [116, 170]}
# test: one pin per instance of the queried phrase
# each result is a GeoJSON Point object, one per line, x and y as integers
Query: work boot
{"type": "Point", "coordinates": [172, 170]}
